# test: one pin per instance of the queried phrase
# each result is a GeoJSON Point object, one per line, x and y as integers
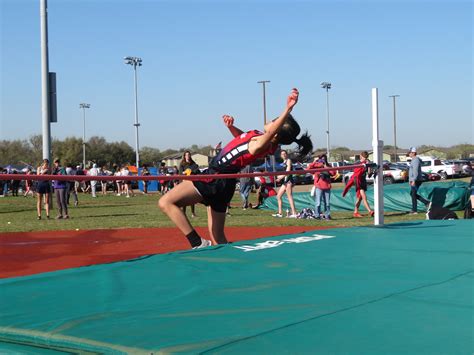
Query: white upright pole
{"type": "Point", "coordinates": [378, 150]}
{"type": "Point", "coordinates": [46, 124]}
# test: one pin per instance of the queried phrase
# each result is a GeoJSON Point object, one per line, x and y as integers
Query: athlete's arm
{"type": "Point", "coordinates": [261, 142]}
{"type": "Point", "coordinates": [229, 122]}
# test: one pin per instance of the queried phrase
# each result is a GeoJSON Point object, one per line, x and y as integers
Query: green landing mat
{"type": "Point", "coordinates": [451, 195]}
{"type": "Point", "coordinates": [403, 288]}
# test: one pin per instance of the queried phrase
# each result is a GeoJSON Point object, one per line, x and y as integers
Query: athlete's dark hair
{"type": "Point", "coordinates": [288, 134]}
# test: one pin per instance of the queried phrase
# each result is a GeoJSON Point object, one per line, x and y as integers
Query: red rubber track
{"type": "Point", "coordinates": [27, 253]}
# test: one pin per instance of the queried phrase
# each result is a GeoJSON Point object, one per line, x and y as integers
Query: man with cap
{"type": "Point", "coordinates": [415, 180]}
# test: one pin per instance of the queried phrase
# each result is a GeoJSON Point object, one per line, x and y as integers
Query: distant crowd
{"type": "Point", "coordinates": [264, 186]}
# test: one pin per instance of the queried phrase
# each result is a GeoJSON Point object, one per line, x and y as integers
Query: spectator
{"type": "Point", "coordinates": [286, 186]}
{"type": "Point", "coordinates": [188, 167]}
{"type": "Point", "coordinates": [93, 172]}
{"type": "Point", "coordinates": [28, 184]}
{"type": "Point", "coordinates": [174, 171]}
{"type": "Point", "coordinates": [60, 191]}
{"type": "Point", "coordinates": [103, 183]}
{"type": "Point", "coordinates": [5, 183]}
{"type": "Point", "coordinates": [415, 180]}
{"type": "Point", "coordinates": [44, 189]}
{"type": "Point", "coordinates": [80, 185]}
{"type": "Point", "coordinates": [120, 184]}
{"type": "Point", "coordinates": [113, 172]}
{"type": "Point", "coordinates": [470, 171]}
{"type": "Point", "coordinates": [361, 186]}
{"type": "Point", "coordinates": [245, 187]}
{"type": "Point", "coordinates": [126, 184]}
{"type": "Point", "coordinates": [71, 186]}
{"type": "Point", "coordinates": [145, 172]}
{"type": "Point", "coordinates": [15, 185]}
{"type": "Point", "coordinates": [265, 189]}
{"type": "Point", "coordinates": [164, 184]}
{"type": "Point", "coordinates": [322, 186]}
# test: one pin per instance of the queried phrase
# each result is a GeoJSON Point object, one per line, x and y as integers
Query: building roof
{"type": "Point", "coordinates": [180, 156]}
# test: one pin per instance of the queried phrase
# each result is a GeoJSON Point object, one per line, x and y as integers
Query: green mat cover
{"type": "Point", "coordinates": [451, 195]}
{"type": "Point", "coordinates": [404, 288]}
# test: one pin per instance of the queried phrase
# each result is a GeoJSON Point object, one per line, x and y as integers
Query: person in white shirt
{"type": "Point", "coordinates": [126, 183]}
{"type": "Point", "coordinates": [95, 171]}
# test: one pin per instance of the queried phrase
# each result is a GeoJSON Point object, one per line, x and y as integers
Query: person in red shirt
{"type": "Point", "coordinates": [322, 185]}
{"type": "Point", "coordinates": [359, 179]}
{"type": "Point", "coordinates": [245, 148]}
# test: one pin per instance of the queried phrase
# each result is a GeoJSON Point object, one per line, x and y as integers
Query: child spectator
{"type": "Point", "coordinates": [322, 184]}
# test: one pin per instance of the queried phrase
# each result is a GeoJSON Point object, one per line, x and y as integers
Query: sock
{"type": "Point", "coordinates": [194, 239]}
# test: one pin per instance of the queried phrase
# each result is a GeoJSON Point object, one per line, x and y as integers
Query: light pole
{"type": "Point", "coordinates": [45, 95]}
{"type": "Point", "coordinates": [395, 125]}
{"type": "Point", "coordinates": [84, 106]}
{"type": "Point", "coordinates": [135, 61]}
{"type": "Point", "coordinates": [263, 82]}
{"type": "Point", "coordinates": [327, 86]}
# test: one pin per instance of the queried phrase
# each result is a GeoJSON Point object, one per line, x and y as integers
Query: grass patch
{"type": "Point", "coordinates": [111, 212]}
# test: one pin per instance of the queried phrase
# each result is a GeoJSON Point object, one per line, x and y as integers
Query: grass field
{"type": "Point", "coordinates": [18, 214]}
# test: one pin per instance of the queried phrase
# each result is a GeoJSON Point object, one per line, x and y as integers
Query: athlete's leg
{"type": "Point", "coordinates": [171, 204]}
{"type": "Point", "coordinates": [364, 199]}
{"type": "Point", "coordinates": [280, 193]}
{"type": "Point", "coordinates": [357, 204]}
{"type": "Point", "coordinates": [209, 225]}
{"type": "Point", "coordinates": [216, 223]}
{"type": "Point", "coordinates": [289, 194]}
{"type": "Point", "coordinates": [46, 203]}
{"type": "Point", "coordinates": [39, 199]}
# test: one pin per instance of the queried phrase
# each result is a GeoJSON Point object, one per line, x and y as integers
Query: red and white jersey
{"type": "Point", "coordinates": [235, 155]}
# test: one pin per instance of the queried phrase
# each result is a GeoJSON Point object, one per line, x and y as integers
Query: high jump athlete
{"type": "Point", "coordinates": [244, 149]}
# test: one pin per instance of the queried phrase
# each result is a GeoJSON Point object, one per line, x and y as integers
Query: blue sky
{"type": "Point", "coordinates": [202, 59]}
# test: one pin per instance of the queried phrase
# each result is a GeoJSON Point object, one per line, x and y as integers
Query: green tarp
{"type": "Point", "coordinates": [403, 288]}
{"type": "Point", "coordinates": [452, 195]}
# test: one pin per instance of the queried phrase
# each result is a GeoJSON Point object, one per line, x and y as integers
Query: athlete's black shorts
{"type": "Point", "coordinates": [362, 185]}
{"type": "Point", "coordinates": [288, 179]}
{"type": "Point", "coordinates": [44, 187]}
{"type": "Point", "coordinates": [216, 193]}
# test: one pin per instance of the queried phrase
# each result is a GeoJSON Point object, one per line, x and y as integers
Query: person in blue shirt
{"type": "Point", "coordinates": [415, 180]}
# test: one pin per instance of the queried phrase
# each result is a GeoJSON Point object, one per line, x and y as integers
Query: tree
{"type": "Point", "coordinates": [36, 144]}
{"type": "Point", "coordinates": [69, 150]}
{"type": "Point", "coordinates": [341, 149]}
{"type": "Point", "coordinates": [150, 156]}
{"type": "Point", "coordinates": [15, 152]}
{"type": "Point", "coordinates": [118, 153]}
{"type": "Point", "coordinates": [462, 150]}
